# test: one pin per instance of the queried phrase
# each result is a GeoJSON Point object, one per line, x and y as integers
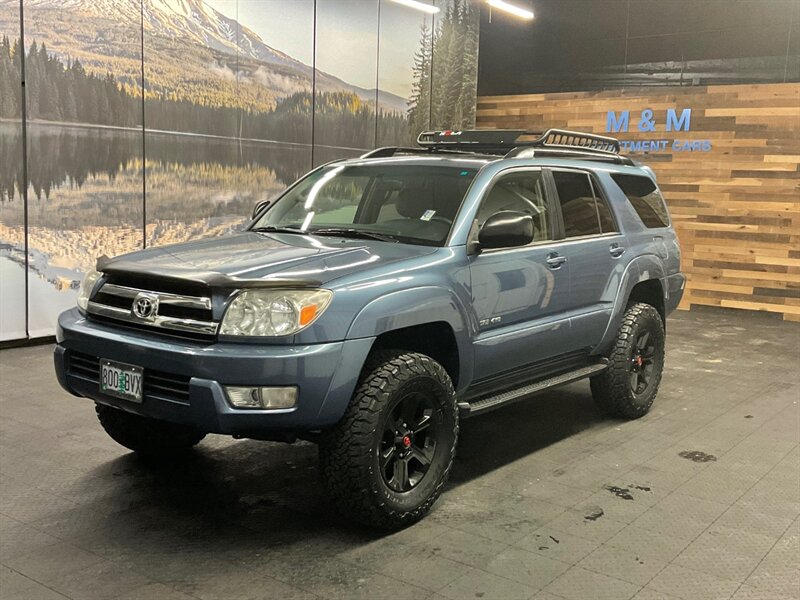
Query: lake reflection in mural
{"type": "Point", "coordinates": [85, 199]}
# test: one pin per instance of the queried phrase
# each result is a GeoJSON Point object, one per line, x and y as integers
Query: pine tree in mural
{"type": "Point", "coordinates": [420, 101]}
{"type": "Point", "coordinates": [10, 88]}
{"type": "Point", "coordinates": [446, 71]}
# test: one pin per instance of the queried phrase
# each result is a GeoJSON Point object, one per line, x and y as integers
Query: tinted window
{"type": "Point", "coordinates": [522, 191]}
{"type": "Point", "coordinates": [578, 207]}
{"type": "Point", "coordinates": [645, 199]}
{"type": "Point", "coordinates": [604, 213]}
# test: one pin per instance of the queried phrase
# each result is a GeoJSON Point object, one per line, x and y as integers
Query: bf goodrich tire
{"type": "Point", "coordinates": [628, 387]}
{"type": "Point", "coordinates": [387, 460]}
{"type": "Point", "coordinates": [146, 436]}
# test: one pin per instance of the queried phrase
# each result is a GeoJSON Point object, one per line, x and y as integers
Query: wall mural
{"type": "Point", "coordinates": [155, 121]}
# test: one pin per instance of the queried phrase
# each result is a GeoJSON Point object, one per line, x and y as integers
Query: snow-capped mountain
{"type": "Point", "coordinates": [193, 19]}
{"type": "Point", "coordinates": [188, 24]}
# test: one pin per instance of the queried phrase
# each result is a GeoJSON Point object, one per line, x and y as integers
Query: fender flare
{"type": "Point", "coordinates": [642, 268]}
{"type": "Point", "coordinates": [418, 306]}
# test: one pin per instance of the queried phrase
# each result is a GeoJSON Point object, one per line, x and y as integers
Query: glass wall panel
{"type": "Point", "coordinates": [404, 73]}
{"type": "Point", "coordinates": [193, 111]}
{"type": "Point", "coordinates": [346, 78]}
{"type": "Point", "coordinates": [12, 233]}
{"type": "Point", "coordinates": [276, 45]}
{"type": "Point", "coordinates": [84, 145]}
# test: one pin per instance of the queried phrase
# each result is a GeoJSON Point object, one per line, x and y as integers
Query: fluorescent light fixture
{"type": "Point", "coordinates": [522, 13]}
{"type": "Point", "coordinates": [428, 8]}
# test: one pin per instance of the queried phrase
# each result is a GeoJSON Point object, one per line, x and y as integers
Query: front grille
{"type": "Point", "coordinates": [157, 384]}
{"type": "Point", "coordinates": [160, 310]}
{"type": "Point", "coordinates": [85, 366]}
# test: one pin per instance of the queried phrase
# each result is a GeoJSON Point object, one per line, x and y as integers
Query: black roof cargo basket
{"type": "Point", "coordinates": [508, 143]}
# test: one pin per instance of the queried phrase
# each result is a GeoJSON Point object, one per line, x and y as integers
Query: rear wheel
{"type": "Point", "coordinates": [386, 462]}
{"type": "Point", "coordinates": [629, 386]}
{"type": "Point", "coordinates": [146, 436]}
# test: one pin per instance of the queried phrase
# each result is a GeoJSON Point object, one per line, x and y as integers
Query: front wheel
{"type": "Point", "coordinates": [628, 387]}
{"type": "Point", "coordinates": [387, 460]}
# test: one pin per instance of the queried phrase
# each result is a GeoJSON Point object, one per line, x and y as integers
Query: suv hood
{"type": "Point", "coordinates": [261, 260]}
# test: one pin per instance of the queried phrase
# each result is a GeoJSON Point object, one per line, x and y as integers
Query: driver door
{"type": "Point", "coordinates": [519, 294]}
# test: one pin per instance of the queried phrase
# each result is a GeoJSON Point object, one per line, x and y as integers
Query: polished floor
{"type": "Point", "coordinates": [548, 500]}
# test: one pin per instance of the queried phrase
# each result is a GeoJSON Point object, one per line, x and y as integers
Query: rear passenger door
{"type": "Point", "coordinates": [594, 249]}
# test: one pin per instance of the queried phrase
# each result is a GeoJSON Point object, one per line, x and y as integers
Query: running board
{"type": "Point", "coordinates": [485, 404]}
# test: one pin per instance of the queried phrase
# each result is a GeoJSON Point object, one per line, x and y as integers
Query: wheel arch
{"type": "Point", "coordinates": [642, 281]}
{"type": "Point", "coordinates": [429, 320]}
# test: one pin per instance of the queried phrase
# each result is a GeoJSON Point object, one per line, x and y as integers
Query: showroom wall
{"type": "Point", "coordinates": [706, 93]}
{"type": "Point", "coordinates": [146, 122]}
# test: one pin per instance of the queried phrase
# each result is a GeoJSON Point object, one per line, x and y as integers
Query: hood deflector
{"type": "Point", "coordinates": [211, 279]}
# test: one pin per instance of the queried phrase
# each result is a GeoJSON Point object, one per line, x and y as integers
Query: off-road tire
{"type": "Point", "coordinates": [612, 389]}
{"type": "Point", "coordinates": [350, 453]}
{"type": "Point", "coordinates": [145, 436]}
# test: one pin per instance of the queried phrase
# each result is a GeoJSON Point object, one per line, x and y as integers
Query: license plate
{"type": "Point", "coordinates": [121, 380]}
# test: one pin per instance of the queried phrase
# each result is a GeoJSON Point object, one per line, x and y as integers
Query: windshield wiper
{"type": "Point", "coordinates": [354, 233]}
{"type": "Point", "coordinates": [273, 229]}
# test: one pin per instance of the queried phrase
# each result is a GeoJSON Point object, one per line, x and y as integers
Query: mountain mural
{"type": "Point", "coordinates": [230, 120]}
{"type": "Point", "coordinates": [192, 51]}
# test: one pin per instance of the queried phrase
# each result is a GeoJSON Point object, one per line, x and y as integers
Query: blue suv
{"type": "Point", "coordinates": [379, 301]}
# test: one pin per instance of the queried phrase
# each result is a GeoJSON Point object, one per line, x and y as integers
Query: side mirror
{"type": "Point", "coordinates": [506, 229]}
{"type": "Point", "coordinates": [259, 208]}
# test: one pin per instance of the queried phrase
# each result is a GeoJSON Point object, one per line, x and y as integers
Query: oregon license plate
{"type": "Point", "coordinates": [121, 380]}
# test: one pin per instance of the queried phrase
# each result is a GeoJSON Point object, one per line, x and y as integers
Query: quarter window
{"type": "Point", "coordinates": [583, 212]}
{"type": "Point", "coordinates": [645, 198]}
{"type": "Point", "coordinates": [521, 191]}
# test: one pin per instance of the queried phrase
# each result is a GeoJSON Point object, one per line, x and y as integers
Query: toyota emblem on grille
{"type": "Point", "coordinates": [145, 306]}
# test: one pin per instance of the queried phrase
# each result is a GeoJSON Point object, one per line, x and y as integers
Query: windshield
{"type": "Point", "coordinates": [403, 203]}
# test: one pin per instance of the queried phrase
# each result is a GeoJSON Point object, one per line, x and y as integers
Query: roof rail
{"type": "Point", "coordinates": [387, 151]}
{"type": "Point", "coordinates": [392, 150]}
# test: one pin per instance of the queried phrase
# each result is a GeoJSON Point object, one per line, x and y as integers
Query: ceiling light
{"type": "Point", "coordinates": [428, 8]}
{"type": "Point", "coordinates": [522, 13]}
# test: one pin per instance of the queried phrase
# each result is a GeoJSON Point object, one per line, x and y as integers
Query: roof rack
{"type": "Point", "coordinates": [507, 143]}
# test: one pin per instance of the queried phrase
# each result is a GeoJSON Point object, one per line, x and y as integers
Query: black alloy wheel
{"type": "Point", "coordinates": [642, 363]}
{"type": "Point", "coordinates": [409, 441]}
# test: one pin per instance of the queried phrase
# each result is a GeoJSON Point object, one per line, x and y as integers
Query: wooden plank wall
{"type": "Point", "coordinates": [736, 208]}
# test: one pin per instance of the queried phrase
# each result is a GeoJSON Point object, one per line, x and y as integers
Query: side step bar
{"type": "Point", "coordinates": [485, 404]}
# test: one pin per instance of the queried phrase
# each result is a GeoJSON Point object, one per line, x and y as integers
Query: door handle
{"type": "Point", "coordinates": [616, 250]}
{"type": "Point", "coordinates": [555, 261]}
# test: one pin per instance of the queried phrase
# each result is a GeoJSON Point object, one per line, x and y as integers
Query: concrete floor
{"type": "Point", "coordinates": [548, 500]}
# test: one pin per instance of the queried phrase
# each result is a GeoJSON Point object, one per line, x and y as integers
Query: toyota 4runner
{"type": "Point", "coordinates": [379, 301]}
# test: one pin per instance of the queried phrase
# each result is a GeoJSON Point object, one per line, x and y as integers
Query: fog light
{"type": "Point", "coordinates": [269, 398]}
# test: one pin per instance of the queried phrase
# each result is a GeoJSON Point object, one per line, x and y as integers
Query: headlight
{"type": "Point", "coordinates": [87, 285]}
{"type": "Point", "coordinates": [273, 312]}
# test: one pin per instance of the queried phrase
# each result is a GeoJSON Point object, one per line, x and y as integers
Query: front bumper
{"type": "Point", "coordinates": [190, 376]}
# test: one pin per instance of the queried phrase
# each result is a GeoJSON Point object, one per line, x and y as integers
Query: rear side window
{"type": "Point", "coordinates": [645, 198]}
{"type": "Point", "coordinates": [583, 212]}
